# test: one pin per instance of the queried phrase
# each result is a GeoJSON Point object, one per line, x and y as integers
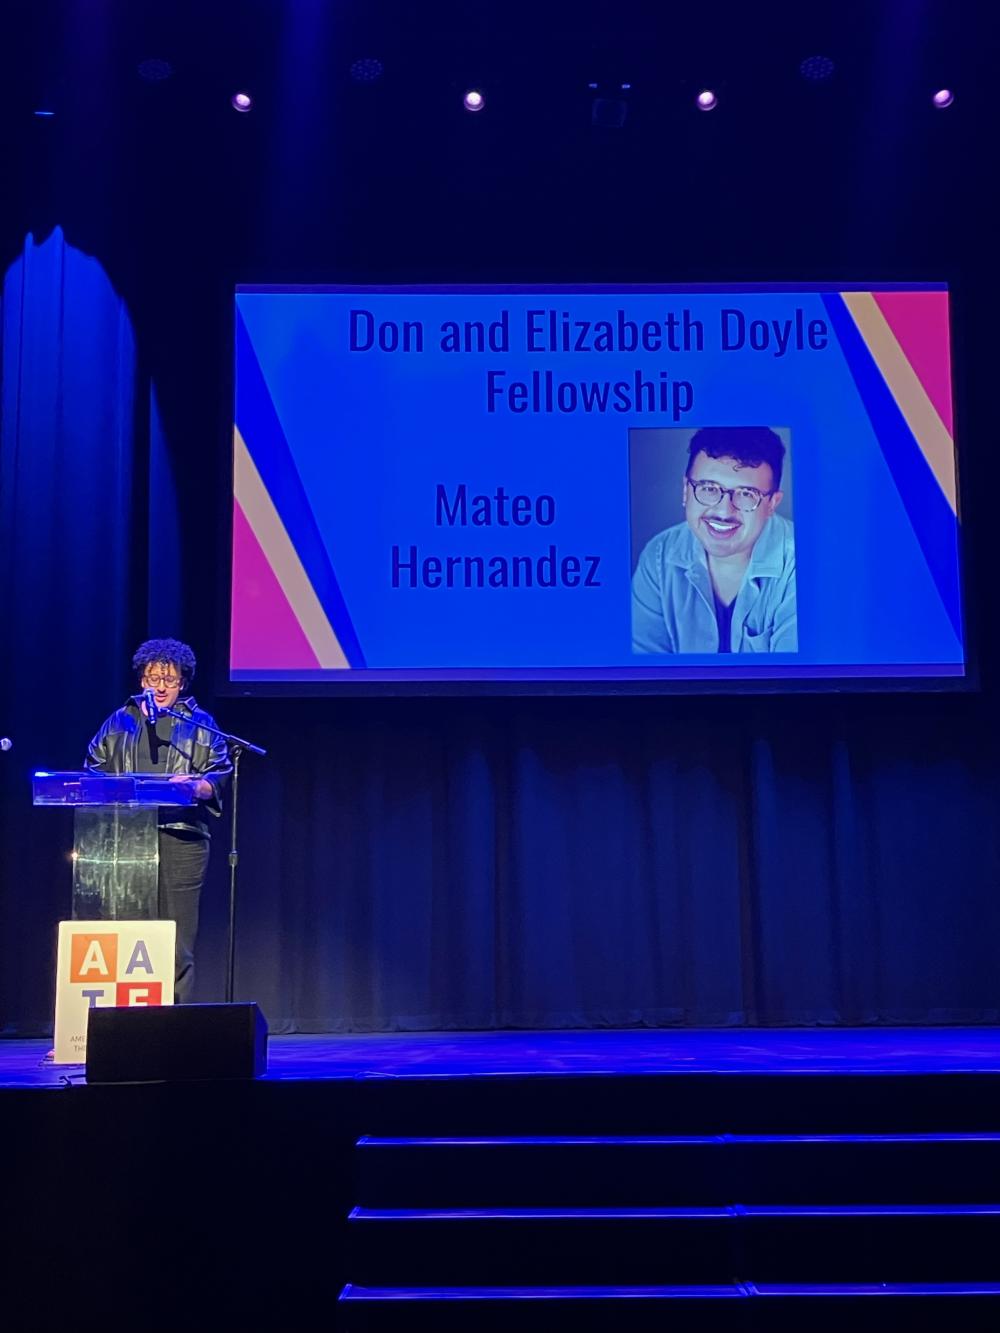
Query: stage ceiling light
{"type": "Point", "coordinates": [943, 98]}
{"type": "Point", "coordinates": [706, 100]}
{"type": "Point", "coordinates": [817, 69]}
{"type": "Point", "coordinates": [367, 70]}
{"type": "Point", "coordinates": [608, 113]}
{"type": "Point", "coordinates": [609, 105]}
{"type": "Point", "coordinates": [154, 70]}
{"type": "Point", "coordinates": [474, 100]}
{"type": "Point", "coordinates": [242, 102]}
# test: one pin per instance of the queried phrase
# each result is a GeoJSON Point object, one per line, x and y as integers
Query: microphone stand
{"type": "Point", "coordinates": [237, 746]}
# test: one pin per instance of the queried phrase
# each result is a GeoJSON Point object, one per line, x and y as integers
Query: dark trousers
{"type": "Point", "coordinates": [183, 863]}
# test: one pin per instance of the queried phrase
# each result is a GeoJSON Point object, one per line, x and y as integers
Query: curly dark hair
{"type": "Point", "coordinates": [165, 650]}
{"type": "Point", "coordinates": [749, 445]}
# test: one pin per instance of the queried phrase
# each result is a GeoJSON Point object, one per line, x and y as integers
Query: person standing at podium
{"type": "Point", "coordinates": [132, 741]}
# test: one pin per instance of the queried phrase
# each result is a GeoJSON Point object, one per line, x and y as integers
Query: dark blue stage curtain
{"type": "Point", "coordinates": [564, 863]}
{"type": "Point", "coordinates": [67, 562]}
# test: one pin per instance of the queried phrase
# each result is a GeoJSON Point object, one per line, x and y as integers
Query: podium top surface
{"type": "Point", "coordinates": [135, 790]}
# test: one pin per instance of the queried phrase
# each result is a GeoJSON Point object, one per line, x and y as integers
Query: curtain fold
{"type": "Point", "coordinates": [70, 551]}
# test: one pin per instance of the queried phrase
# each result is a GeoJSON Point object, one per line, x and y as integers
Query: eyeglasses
{"type": "Point", "coordinates": [168, 682]}
{"type": "Point", "coordinates": [744, 498]}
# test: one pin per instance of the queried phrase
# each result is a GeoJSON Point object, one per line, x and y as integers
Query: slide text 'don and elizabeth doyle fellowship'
{"type": "Point", "coordinates": [554, 332]}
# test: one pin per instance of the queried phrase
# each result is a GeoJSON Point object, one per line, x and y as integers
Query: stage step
{"type": "Point", "coordinates": [552, 1246]}
{"type": "Point", "coordinates": [737, 1307]}
{"type": "Point", "coordinates": [614, 1246]}
{"type": "Point", "coordinates": [676, 1170]}
{"type": "Point", "coordinates": [714, 1212]}
{"type": "Point", "coordinates": [680, 1103]}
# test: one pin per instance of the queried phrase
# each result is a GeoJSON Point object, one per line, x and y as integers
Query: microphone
{"type": "Point", "coordinates": [6, 743]}
{"type": "Point", "coordinates": [152, 712]}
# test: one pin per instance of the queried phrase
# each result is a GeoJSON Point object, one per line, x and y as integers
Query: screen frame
{"type": "Point", "coordinates": [357, 685]}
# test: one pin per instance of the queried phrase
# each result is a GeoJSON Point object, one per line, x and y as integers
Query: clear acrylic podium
{"type": "Point", "coordinates": [115, 844]}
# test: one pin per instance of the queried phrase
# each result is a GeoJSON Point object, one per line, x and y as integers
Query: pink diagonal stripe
{"type": "Point", "coordinates": [919, 321]}
{"type": "Point", "coordinates": [265, 630]}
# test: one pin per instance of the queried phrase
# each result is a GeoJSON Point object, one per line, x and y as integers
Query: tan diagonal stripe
{"type": "Point", "coordinates": [904, 383]}
{"type": "Point", "coordinates": [282, 556]}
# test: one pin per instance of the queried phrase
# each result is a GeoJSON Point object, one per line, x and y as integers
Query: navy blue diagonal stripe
{"type": "Point", "coordinates": [929, 513]}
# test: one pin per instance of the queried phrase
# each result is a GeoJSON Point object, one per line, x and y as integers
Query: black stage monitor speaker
{"type": "Point", "coordinates": [184, 1041]}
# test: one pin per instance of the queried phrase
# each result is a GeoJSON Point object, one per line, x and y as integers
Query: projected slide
{"type": "Point", "coordinates": [544, 484]}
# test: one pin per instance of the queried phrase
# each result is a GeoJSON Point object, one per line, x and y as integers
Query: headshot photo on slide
{"type": "Point", "coordinates": [713, 540]}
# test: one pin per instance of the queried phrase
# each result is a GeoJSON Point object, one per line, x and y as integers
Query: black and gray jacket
{"type": "Point", "coordinates": [192, 749]}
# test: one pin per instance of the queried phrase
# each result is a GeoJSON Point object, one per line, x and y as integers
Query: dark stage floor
{"type": "Point", "coordinates": [424, 1055]}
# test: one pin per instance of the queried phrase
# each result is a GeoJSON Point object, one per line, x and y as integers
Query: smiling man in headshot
{"type": "Point", "coordinates": [724, 579]}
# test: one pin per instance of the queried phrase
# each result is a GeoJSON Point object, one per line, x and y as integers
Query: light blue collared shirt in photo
{"type": "Point", "coordinates": [673, 608]}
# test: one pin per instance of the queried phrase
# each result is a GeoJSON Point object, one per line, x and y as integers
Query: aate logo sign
{"type": "Point", "coordinates": [94, 963]}
{"type": "Point", "coordinates": [108, 963]}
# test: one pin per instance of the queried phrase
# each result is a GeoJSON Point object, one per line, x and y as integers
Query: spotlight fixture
{"type": "Point", "coordinates": [706, 100]}
{"type": "Point", "coordinates": [367, 70]}
{"type": "Point", "coordinates": [943, 98]}
{"type": "Point", "coordinates": [474, 100]}
{"type": "Point", "coordinates": [609, 104]}
{"type": "Point", "coordinates": [154, 71]}
{"type": "Point", "coordinates": [608, 113]}
{"type": "Point", "coordinates": [817, 69]}
{"type": "Point", "coordinates": [242, 102]}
